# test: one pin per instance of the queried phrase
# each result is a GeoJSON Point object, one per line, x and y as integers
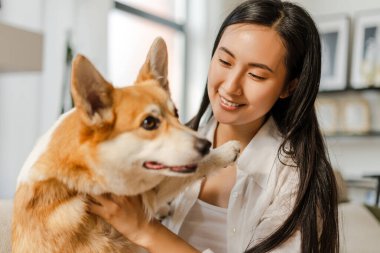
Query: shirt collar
{"type": "Point", "coordinates": [259, 156]}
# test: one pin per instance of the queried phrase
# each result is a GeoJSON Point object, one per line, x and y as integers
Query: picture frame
{"type": "Point", "coordinates": [328, 115]}
{"type": "Point", "coordinates": [334, 32]}
{"type": "Point", "coordinates": [355, 116]}
{"type": "Point", "coordinates": [365, 68]}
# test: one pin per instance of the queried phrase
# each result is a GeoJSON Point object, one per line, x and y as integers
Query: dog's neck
{"type": "Point", "coordinates": [66, 159]}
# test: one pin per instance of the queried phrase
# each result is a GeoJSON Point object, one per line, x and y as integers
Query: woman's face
{"type": "Point", "coordinates": [246, 74]}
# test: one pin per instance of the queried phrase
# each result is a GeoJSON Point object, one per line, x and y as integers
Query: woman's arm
{"type": "Point", "coordinates": [127, 215]}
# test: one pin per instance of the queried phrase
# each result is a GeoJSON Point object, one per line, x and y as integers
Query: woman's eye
{"type": "Point", "coordinates": [257, 77]}
{"type": "Point", "coordinates": [150, 123]}
{"type": "Point", "coordinates": [224, 62]}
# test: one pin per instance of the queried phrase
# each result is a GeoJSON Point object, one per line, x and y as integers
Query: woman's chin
{"type": "Point", "coordinates": [225, 117]}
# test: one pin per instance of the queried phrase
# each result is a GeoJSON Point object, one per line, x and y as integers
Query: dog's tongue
{"type": "Point", "coordinates": [186, 168]}
{"type": "Point", "coordinates": [159, 166]}
{"type": "Point", "coordinates": [154, 165]}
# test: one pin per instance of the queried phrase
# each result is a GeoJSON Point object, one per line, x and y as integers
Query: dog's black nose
{"type": "Point", "coordinates": [202, 146]}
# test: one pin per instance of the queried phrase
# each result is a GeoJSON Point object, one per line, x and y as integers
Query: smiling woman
{"type": "Point", "coordinates": [249, 61]}
{"type": "Point", "coordinates": [262, 82]}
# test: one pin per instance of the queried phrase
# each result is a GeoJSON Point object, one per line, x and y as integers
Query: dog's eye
{"type": "Point", "coordinates": [150, 123]}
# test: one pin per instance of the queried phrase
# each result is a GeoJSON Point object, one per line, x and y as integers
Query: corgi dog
{"type": "Point", "coordinates": [118, 141]}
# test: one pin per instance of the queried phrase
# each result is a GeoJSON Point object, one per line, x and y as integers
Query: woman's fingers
{"type": "Point", "coordinates": [99, 199]}
{"type": "Point", "coordinates": [102, 206]}
{"type": "Point", "coordinates": [95, 208]}
{"type": "Point", "coordinates": [125, 214]}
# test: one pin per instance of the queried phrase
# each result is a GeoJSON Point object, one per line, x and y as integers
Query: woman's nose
{"type": "Point", "coordinates": [233, 84]}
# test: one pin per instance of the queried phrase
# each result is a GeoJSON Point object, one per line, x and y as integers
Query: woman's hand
{"type": "Point", "coordinates": [127, 215]}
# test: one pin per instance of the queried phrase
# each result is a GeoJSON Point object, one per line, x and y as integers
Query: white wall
{"type": "Point", "coordinates": [354, 156]}
{"type": "Point", "coordinates": [19, 98]}
{"type": "Point", "coordinates": [351, 7]}
{"type": "Point", "coordinates": [86, 20]}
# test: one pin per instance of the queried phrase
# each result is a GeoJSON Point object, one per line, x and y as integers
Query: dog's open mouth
{"type": "Point", "coordinates": [150, 165]}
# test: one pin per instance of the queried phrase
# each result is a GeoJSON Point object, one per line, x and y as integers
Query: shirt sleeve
{"type": "Point", "coordinates": [280, 208]}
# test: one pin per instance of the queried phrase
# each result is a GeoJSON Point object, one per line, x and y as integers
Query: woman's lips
{"type": "Point", "coordinates": [229, 105]}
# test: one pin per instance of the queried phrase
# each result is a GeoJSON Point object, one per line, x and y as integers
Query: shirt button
{"type": "Point", "coordinates": [234, 230]}
{"type": "Point", "coordinates": [235, 194]}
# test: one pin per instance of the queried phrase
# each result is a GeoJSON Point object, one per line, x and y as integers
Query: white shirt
{"type": "Point", "coordinates": [261, 199]}
{"type": "Point", "coordinates": [205, 226]}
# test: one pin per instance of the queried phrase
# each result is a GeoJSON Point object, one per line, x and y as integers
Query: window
{"type": "Point", "coordinates": [133, 25]}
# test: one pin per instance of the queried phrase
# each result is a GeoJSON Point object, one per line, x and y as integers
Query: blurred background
{"type": "Point", "coordinates": [38, 39]}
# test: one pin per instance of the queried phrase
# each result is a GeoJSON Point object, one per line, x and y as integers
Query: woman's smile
{"type": "Point", "coordinates": [229, 105]}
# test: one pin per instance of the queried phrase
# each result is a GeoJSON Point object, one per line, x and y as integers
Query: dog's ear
{"type": "Point", "coordinates": [156, 64]}
{"type": "Point", "coordinates": [92, 94]}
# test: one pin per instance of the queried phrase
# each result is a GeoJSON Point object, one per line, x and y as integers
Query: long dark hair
{"type": "Point", "coordinates": [315, 212]}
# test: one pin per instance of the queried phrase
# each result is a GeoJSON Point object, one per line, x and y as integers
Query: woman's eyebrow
{"type": "Point", "coordinates": [252, 64]}
{"type": "Point", "coordinates": [227, 51]}
{"type": "Point", "coordinates": [260, 65]}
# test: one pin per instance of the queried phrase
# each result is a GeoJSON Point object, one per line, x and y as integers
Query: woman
{"type": "Point", "coordinates": [281, 195]}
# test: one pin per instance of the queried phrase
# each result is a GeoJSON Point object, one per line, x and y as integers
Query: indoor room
{"type": "Point", "coordinates": [39, 39]}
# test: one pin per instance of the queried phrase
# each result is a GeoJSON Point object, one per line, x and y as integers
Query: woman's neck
{"type": "Point", "coordinates": [242, 133]}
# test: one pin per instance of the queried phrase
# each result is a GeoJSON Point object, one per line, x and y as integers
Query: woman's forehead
{"type": "Point", "coordinates": [254, 43]}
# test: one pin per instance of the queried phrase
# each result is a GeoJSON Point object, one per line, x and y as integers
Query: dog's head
{"type": "Point", "coordinates": [133, 134]}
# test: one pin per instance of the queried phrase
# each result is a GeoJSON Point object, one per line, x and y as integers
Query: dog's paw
{"type": "Point", "coordinates": [222, 156]}
{"type": "Point", "coordinates": [230, 150]}
{"type": "Point", "coordinates": [163, 212]}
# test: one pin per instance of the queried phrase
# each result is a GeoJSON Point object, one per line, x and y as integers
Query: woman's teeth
{"type": "Point", "coordinates": [228, 103]}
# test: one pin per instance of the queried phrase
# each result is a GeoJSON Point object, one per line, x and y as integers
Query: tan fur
{"type": "Point", "coordinates": [34, 232]}
{"type": "Point", "coordinates": [98, 148]}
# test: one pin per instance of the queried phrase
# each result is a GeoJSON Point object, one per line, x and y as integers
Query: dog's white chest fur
{"type": "Point", "coordinates": [25, 175]}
